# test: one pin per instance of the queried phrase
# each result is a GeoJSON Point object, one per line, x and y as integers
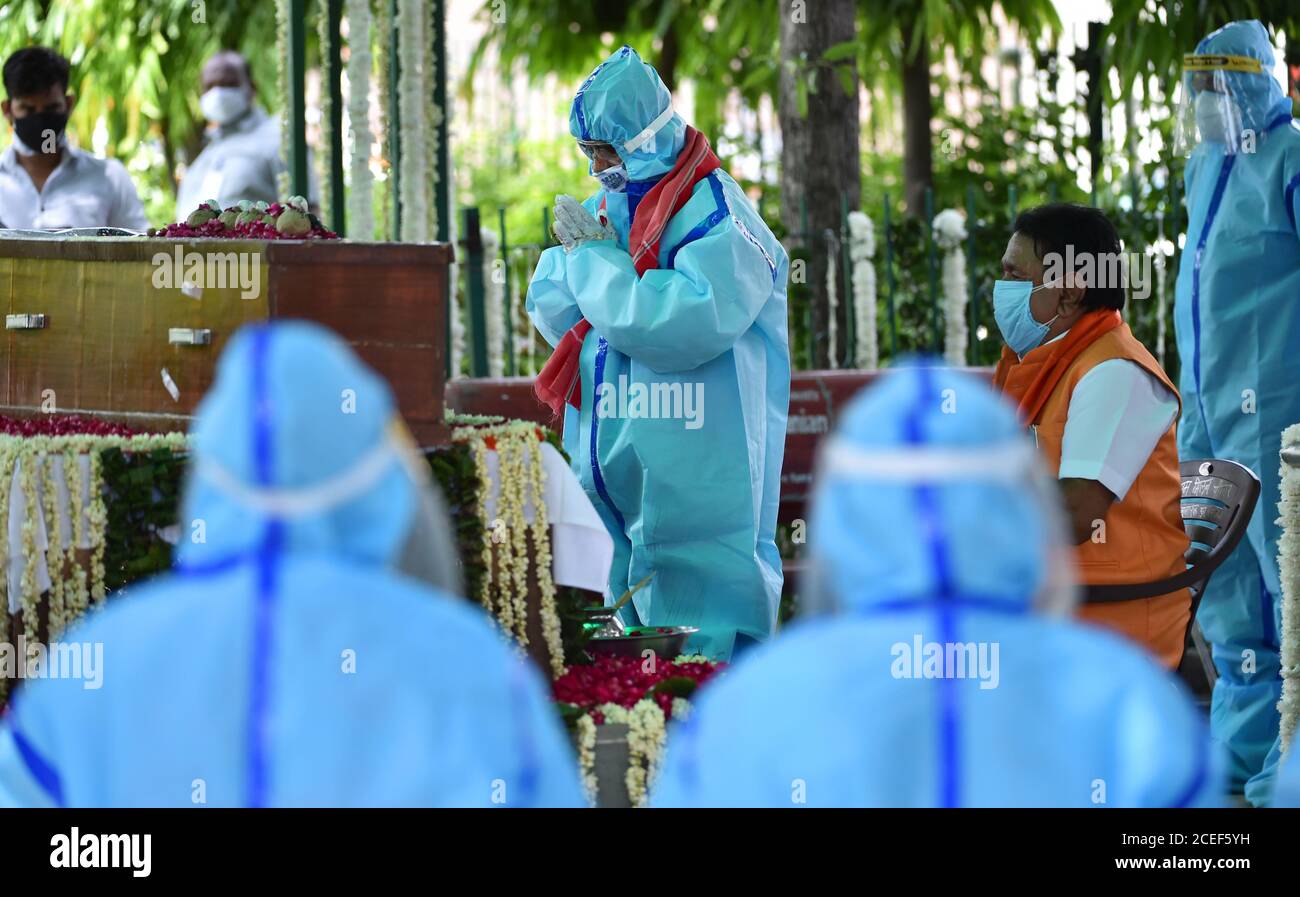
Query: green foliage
{"type": "Point", "coordinates": [141, 495]}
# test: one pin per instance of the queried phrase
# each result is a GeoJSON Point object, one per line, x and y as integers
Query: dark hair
{"type": "Point", "coordinates": [1086, 231]}
{"type": "Point", "coordinates": [34, 70]}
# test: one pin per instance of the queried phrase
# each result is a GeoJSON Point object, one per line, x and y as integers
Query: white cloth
{"type": "Point", "coordinates": [82, 191]}
{"type": "Point", "coordinates": [581, 547]}
{"type": "Point", "coordinates": [16, 564]}
{"type": "Point", "coordinates": [242, 160]}
{"type": "Point", "coordinates": [1118, 412]}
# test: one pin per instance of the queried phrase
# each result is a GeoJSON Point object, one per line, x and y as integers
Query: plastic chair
{"type": "Point", "coordinates": [1219, 497]}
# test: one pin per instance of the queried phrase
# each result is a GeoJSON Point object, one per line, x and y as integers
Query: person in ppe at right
{"type": "Point", "coordinates": [941, 666]}
{"type": "Point", "coordinates": [1237, 318]}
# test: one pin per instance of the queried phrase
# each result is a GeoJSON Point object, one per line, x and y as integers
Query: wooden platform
{"type": "Point", "coordinates": [107, 333]}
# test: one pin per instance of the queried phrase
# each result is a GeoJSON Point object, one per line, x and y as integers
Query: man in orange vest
{"type": "Point", "coordinates": [1102, 410]}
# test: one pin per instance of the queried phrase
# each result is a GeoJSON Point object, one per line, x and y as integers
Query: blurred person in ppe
{"type": "Point", "coordinates": [669, 290]}
{"type": "Point", "coordinates": [1237, 318]}
{"type": "Point", "coordinates": [939, 665]}
{"type": "Point", "coordinates": [308, 648]}
{"type": "Point", "coordinates": [1102, 411]}
{"type": "Point", "coordinates": [242, 157]}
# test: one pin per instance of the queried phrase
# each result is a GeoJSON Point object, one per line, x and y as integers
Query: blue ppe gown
{"type": "Point", "coordinates": [284, 662]}
{"type": "Point", "coordinates": [685, 378]}
{"type": "Point", "coordinates": [1237, 317]}
{"type": "Point", "coordinates": [1025, 709]}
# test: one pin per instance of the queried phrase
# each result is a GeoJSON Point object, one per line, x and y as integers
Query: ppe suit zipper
{"type": "Point", "coordinates": [596, 477]}
{"type": "Point", "coordinates": [1215, 199]}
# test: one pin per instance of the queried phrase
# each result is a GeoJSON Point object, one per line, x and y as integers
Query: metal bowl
{"type": "Point", "coordinates": [666, 642]}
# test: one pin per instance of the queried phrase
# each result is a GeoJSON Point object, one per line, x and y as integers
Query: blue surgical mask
{"type": "Point", "coordinates": [613, 179]}
{"type": "Point", "coordinates": [1011, 311]}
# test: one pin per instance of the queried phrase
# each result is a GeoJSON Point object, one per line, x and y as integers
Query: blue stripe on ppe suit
{"type": "Point", "coordinates": [229, 683]}
{"type": "Point", "coordinates": [1238, 328]}
{"type": "Point", "coordinates": [828, 715]}
{"type": "Point", "coordinates": [696, 504]}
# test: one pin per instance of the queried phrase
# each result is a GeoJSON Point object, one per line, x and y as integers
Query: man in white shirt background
{"type": "Point", "coordinates": [45, 182]}
{"type": "Point", "coordinates": [242, 158]}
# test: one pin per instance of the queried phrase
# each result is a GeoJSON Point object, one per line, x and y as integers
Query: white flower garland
{"type": "Point", "coordinates": [522, 481]}
{"type": "Point", "coordinates": [326, 156]}
{"type": "Point", "coordinates": [283, 178]}
{"type": "Point", "coordinates": [413, 108]}
{"type": "Point", "coordinates": [646, 734]}
{"type": "Point", "coordinates": [832, 300]}
{"type": "Point", "coordinates": [949, 232]}
{"type": "Point", "coordinates": [71, 589]}
{"type": "Point", "coordinates": [360, 208]}
{"type": "Point", "coordinates": [493, 304]}
{"type": "Point", "coordinates": [862, 247]}
{"type": "Point", "coordinates": [1288, 556]}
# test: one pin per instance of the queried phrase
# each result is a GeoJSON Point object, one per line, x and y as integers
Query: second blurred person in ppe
{"type": "Point", "coordinates": [944, 670]}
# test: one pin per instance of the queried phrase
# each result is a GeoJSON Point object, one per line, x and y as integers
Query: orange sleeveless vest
{"type": "Point", "coordinates": [1144, 536]}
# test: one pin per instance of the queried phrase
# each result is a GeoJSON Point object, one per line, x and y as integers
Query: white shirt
{"type": "Point", "coordinates": [241, 160]}
{"type": "Point", "coordinates": [1118, 412]}
{"type": "Point", "coordinates": [82, 191]}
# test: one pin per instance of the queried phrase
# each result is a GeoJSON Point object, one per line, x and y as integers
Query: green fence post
{"type": "Point", "coordinates": [1013, 202]}
{"type": "Point", "coordinates": [932, 265]}
{"type": "Point", "coordinates": [1053, 194]}
{"type": "Point", "coordinates": [972, 346]}
{"type": "Point", "coordinates": [334, 77]}
{"type": "Point", "coordinates": [394, 126]}
{"type": "Point", "coordinates": [546, 227]}
{"type": "Point", "coordinates": [473, 240]}
{"type": "Point", "coordinates": [297, 100]}
{"type": "Point", "coordinates": [807, 309]}
{"type": "Point", "coordinates": [508, 304]}
{"type": "Point", "coordinates": [889, 284]}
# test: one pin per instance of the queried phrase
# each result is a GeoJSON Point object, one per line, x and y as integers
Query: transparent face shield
{"type": "Point", "coordinates": [1213, 106]}
{"type": "Point", "coordinates": [1016, 466]}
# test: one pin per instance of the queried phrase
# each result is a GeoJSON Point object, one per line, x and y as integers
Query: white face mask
{"type": "Point", "coordinates": [1217, 117]}
{"type": "Point", "coordinates": [224, 104]}
{"type": "Point", "coordinates": [613, 179]}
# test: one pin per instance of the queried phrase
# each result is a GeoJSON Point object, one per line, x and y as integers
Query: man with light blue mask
{"type": "Point", "coordinates": [1102, 411]}
{"type": "Point", "coordinates": [293, 658]}
{"type": "Point", "coordinates": [1237, 318]}
{"type": "Point", "coordinates": [666, 304]}
{"type": "Point", "coordinates": [938, 666]}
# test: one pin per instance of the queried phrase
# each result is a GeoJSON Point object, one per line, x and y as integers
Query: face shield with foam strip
{"type": "Point", "coordinates": [915, 505]}
{"type": "Point", "coordinates": [1226, 100]}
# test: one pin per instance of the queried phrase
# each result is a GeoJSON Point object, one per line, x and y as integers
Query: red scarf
{"type": "Point", "coordinates": [560, 378]}
{"type": "Point", "coordinates": [1030, 381]}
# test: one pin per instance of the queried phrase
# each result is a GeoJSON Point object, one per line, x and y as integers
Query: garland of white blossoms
{"type": "Point", "coordinates": [282, 71]}
{"type": "Point", "coordinates": [862, 246]}
{"type": "Point", "coordinates": [522, 481]}
{"type": "Point", "coordinates": [39, 461]}
{"type": "Point", "coordinates": [493, 303]}
{"type": "Point", "coordinates": [832, 300]}
{"type": "Point", "coordinates": [326, 110]}
{"type": "Point", "coordinates": [647, 733]}
{"type": "Point", "coordinates": [413, 107]}
{"type": "Point", "coordinates": [949, 233]}
{"type": "Point", "coordinates": [360, 208]}
{"type": "Point", "coordinates": [1288, 558]}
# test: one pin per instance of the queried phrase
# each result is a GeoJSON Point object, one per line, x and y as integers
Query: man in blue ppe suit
{"type": "Point", "coordinates": [944, 669]}
{"type": "Point", "coordinates": [666, 300]}
{"type": "Point", "coordinates": [287, 661]}
{"type": "Point", "coordinates": [1238, 324]}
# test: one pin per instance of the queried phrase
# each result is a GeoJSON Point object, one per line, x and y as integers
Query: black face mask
{"type": "Point", "coordinates": [33, 127]}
